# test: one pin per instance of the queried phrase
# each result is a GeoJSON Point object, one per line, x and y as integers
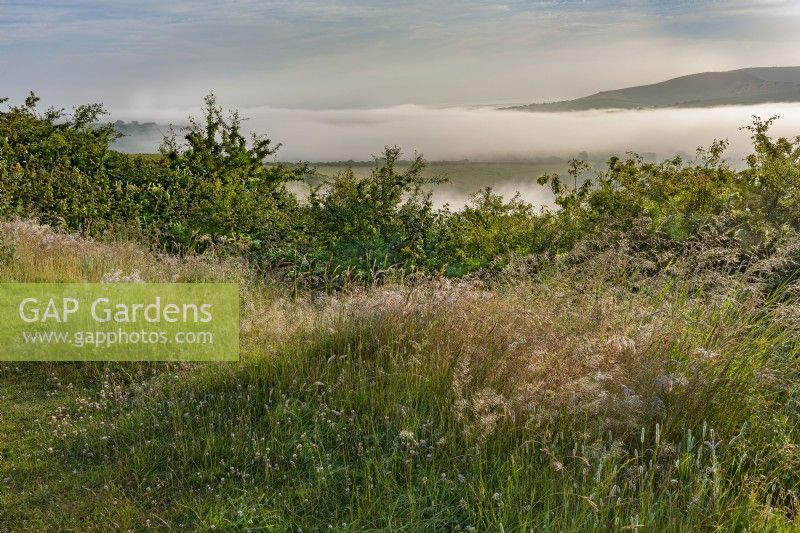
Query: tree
{"type": "Point", "coordinates": [230, 194]}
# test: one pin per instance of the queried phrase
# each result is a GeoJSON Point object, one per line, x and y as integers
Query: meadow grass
{"type": "Point", "coordinates": [576, 398]}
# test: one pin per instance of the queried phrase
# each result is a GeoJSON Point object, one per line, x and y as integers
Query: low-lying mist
{"type": "Point", "coordinates": [494, 135]}
{"type": "Point", "coordinates": [491, 135]}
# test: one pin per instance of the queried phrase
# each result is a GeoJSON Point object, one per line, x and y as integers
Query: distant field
{"type": "Point", "coordinates": [466, 177]}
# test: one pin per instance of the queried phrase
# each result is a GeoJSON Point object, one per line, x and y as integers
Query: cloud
{"type": "Point", "coordinates": [346, 53]}
{"type": "Point", "coordinates": [492, 135]}
{"type": "Point", "coordinates": [489, 135]}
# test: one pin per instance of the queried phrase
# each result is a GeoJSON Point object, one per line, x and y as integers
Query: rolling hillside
{"type": "Point", "coordinates": [707, 89]}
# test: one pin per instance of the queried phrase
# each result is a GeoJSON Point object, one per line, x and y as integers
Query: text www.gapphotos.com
{"type": "Point", "coordinates": [113, 338]}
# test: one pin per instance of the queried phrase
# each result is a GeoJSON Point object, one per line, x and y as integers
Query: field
{"type": "Point", "coordinates": [566, 401]}
{"type": "Point", "coordinates": [623, 359]}
{"type": "Point", "coordinates": [464, 178]}
{"type": "Point", "coordinates": [372, 297]}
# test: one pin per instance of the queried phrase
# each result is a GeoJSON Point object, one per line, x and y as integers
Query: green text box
{"type": "Point", "coordinates": [119, 321]}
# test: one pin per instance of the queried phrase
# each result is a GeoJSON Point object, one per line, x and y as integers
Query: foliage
{"type": "Point", "coordinates": [213, 190]}
{"type": "Point", "coordinates": [488, 233]}
{"type": "Point", "coordinates": [227, 193]}
{"type": "Point", "coordinates": [372, 224]}
{"type": "Point", "coordinates": [756, 207]}
{"type": "Point", "coordinates": [52, 165]}
{"type": "Point", "coordinates": [572, 400]}
{"type": "Point", "coordinates": [632, 363]}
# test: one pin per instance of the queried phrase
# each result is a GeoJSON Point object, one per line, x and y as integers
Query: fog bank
{"type": "Point", "coordinates": [491, 134]}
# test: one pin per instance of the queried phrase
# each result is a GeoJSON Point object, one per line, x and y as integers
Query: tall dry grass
{"type": "Point", "coordinates": [587, 393]}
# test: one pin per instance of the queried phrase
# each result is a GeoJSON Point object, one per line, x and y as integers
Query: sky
{"type": "Point", "coordinates": [354, 54]}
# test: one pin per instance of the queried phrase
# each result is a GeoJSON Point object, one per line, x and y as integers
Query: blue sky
{"type": "Point", "coordinates": [314, 54]}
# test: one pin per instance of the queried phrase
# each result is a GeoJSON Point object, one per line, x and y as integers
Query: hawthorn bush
{"type": "Point", "coordinates": [211, 189]}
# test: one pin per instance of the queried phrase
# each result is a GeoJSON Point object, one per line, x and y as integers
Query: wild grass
{"type": "Point", "coordinates": [574, 397]}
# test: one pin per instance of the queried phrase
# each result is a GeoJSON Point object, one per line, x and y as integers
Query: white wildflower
{"type": "Point", "coordinates": [621, 344]}
{"type": "Point", "coordinates": [406, 435]}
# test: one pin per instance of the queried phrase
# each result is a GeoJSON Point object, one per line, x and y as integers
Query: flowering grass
{"type": "Point", "coordinates": [576, 398]}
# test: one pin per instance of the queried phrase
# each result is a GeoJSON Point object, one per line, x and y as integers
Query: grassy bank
{"type": "Point", "coordinates": [572, 397]}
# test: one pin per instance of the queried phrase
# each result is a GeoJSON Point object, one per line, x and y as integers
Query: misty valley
{"type": "Point", "coordinates": [422, 266]}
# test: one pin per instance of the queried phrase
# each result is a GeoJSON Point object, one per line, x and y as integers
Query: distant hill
{"type": "Point", "coordinates": [708, 89]}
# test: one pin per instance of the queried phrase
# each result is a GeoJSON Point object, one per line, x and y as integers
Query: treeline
{"type": "Point", "coordinates": [210, 190]}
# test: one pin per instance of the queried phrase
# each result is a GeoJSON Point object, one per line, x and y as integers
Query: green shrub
{"type": "Point", "coordinates": [488, 233]}
{"type": "Point", "coordinates": [213, 191]}
{"type": "Point", "coordinates": [225, 191]}
{"type": "Point", "coordinates": [372, 224]}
